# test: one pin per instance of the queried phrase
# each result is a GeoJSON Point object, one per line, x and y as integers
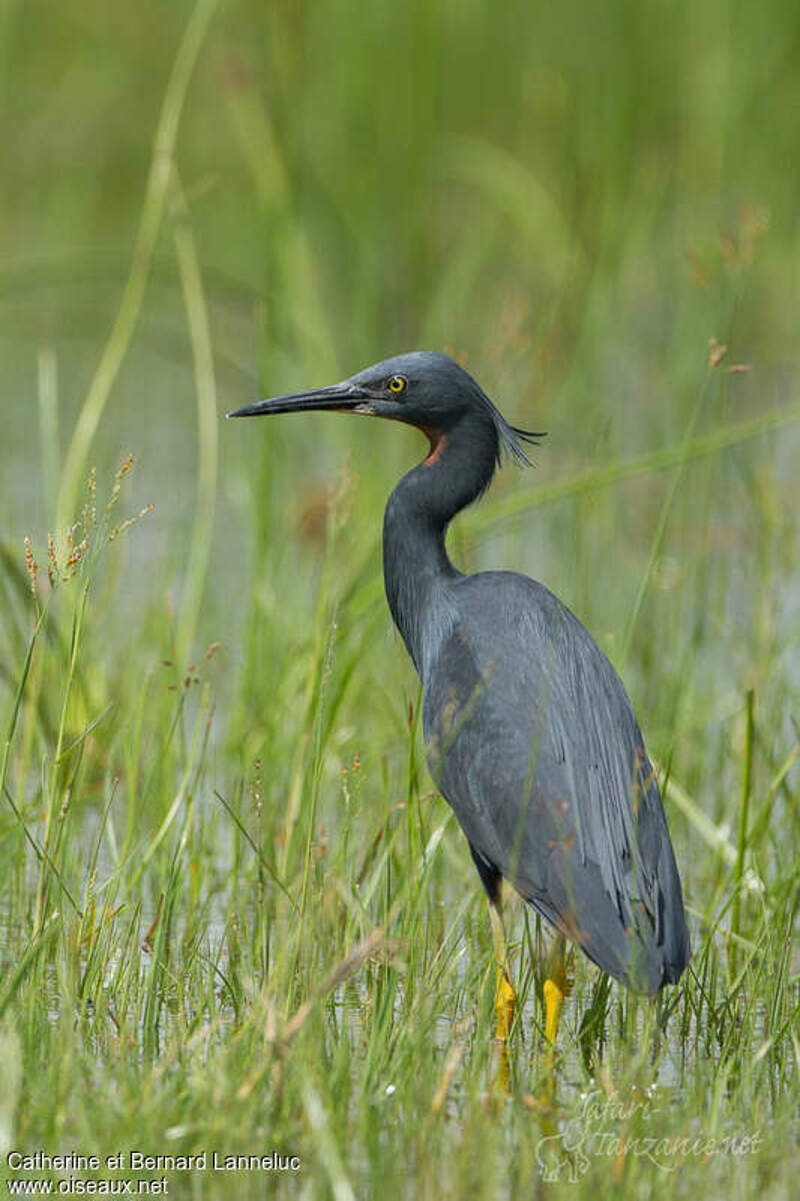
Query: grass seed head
{"type": "Point", "coordinates": [716, 352]}
{"type": "Point", "coordinates": [126, 525]}
{"type": "Point", "coordinates": [53, 572]}
{"type": "Point", "coordinates": [32, 567]}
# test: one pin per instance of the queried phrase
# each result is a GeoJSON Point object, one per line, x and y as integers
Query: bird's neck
{"type": "Point", "coordinates": [416, 567]}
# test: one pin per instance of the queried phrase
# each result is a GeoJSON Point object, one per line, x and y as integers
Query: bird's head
{"type": "Point", "coordinates": [423, 388]}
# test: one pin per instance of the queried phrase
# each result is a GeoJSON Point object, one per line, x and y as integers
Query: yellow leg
{"type": "Point", "coordinates": [555, 989]}
{"type": "Point", "coordinates": [505, 1004]}
{"type": "Point", "coordinates": [553, 1000]}
{"type": "Point", "coordinates": [506, 999]}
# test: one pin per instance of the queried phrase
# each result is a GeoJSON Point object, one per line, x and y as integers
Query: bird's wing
{"type": "Point", "coordinates": [534, 743]}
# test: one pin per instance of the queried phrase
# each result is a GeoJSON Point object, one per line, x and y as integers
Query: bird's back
{"type": "Point", "coordinates": [533, 741]}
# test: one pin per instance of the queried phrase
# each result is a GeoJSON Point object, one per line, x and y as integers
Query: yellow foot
{"type": "Point", "coordinates": [504, 1004]}
{"type": "Point", "coordinates": [553, 1000]}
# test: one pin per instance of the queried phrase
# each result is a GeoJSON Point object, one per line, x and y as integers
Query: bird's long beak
{"type": "Point", "coordinates": [337, 398]}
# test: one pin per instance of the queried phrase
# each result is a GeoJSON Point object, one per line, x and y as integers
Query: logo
{"type": "Point", "coordinates": [601, 1129]}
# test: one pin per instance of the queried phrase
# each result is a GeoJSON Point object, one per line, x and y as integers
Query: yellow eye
{"type": "Point", "coordinates": [397, 383]}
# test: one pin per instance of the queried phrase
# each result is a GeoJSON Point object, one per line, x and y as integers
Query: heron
{"type": "Point", "coordinates": [530, 735]}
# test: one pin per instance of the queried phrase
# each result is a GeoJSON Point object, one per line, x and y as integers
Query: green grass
{"type": "Point", "coordinates": [234, 915]}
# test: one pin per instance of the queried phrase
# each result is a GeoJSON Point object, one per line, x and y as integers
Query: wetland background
{"type": "Point", "coordinates": [234, 915]}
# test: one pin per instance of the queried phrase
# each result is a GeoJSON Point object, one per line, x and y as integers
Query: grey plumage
{"type": "Point", "coordinates": [530, 734]}
{"type": "Point", "coordinates": [535, 745]}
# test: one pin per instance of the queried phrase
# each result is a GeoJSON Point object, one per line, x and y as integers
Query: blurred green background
{"type": "Point", "coordinates": [204, 204]}
{"type": "Point", "coordinates": [573, 199]}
